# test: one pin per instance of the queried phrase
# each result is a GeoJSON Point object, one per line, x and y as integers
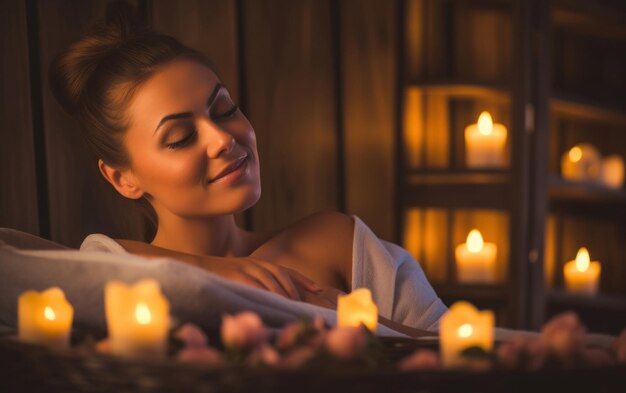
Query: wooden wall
{"type": "Point", "coordinates": [317, 79]}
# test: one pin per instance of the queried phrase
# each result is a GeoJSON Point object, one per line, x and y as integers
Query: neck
{"type": "Point", "coordinates": [215, 236]}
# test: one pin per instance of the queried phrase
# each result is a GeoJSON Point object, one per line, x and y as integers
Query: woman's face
{"type": "Point", "coordinates": [190, 147]}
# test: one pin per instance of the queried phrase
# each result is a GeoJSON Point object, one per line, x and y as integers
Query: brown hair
{"type": "Point", "coordinates": [95, 79]}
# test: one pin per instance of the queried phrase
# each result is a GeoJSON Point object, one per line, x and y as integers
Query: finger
{"type": "Point", "coordinates": [284, 279]}
{"type": "Point", "coordinates": [267, 279]}
{"type": "Point", "coordinates": [308, 284]}
{"type": "Point", "coordinates": [251, 281]}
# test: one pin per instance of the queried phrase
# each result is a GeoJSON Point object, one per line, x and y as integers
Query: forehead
{"type": "Point", "coordinates": [178, 86]}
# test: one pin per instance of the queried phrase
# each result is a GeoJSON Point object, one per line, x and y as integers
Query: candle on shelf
{"type": "Point", "coordinates": [485, 143]}
{"type": "Point", "coordinates": [581, 275]}
{"type": "Point", "coordinates": [45, 318]}
{"type": "Point", "coordinates": [613, 171]}
{"type": "Point", "coordinates": [581, 163]}
{"type": "Point", "coordinates": [137, 318]}
{"type": "Point", "coordinates": [462, 327]}
{"type": "Point", "coordinates": [357, 308]}
{"type": "Point", "coordinates": [476, 259]}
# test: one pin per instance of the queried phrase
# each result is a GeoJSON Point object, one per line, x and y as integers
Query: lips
{"type": "Point", "coordinates": [233, 166]}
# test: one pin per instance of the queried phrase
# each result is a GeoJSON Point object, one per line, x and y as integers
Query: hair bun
{"type": "Point", "coordinates": [71, 70]}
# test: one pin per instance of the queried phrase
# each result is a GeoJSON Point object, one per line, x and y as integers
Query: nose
{"type": "Point", "coordinates": [219, 141]}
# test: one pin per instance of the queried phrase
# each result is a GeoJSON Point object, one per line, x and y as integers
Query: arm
{"type": "Point", "coordinates": [246, 270]}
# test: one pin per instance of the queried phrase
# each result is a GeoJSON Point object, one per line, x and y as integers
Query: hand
{"type": "Point", "coordinates": [325, 298]}
{"type": "Point", "coordinates": [264, 275]}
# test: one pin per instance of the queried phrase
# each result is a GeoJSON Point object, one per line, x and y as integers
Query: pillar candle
{"type": "Point", "coordinates": [45, 318]}
{"type": "Point", "coordinates": [137, 318]}
{"type": "Point", "coordinates": [357, 308]}
{"type": "Point", "coordinates": [485, 143]}
{"type": "Point", "coordinates": [581, 163]}
{"type": "Point", "coordinates": [476, 260]}
{"type": "Point", "coordinates": [462, 327]}
{"type": "Point", "coordinates": [581, 275]}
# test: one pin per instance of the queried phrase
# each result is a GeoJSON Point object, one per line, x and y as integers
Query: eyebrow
{"type": "Point", "coordinates": [183, 115]}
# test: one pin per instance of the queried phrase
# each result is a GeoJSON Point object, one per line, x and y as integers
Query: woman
{"type": "Point", "coordinates": [167, 133]}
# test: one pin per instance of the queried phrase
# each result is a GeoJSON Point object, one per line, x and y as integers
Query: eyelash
{"type": "Point", "coordinates": [183, 142]}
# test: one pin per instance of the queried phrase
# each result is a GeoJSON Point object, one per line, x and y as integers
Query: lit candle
{"type": "Point", "coordinates": [137, 318]}
{"type": "Point", "coordinates": [581, 275]}
{"type": "Point", "coordinates": [485, 143]}
{"type": "Point", "coordinates": [476, 259]}
{"type": "Point", "coordinates": [45, 318]}
{"type": "Point", "coordinates": [581, 163]}
{"type": "Point", "coordinates": [462, 327]}
{"type": "Point", "coordinates": [357, 308]}
{"type": "Point", "coordinates": [613, 171]}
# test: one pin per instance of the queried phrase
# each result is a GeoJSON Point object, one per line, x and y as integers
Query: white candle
{"type": "Point", "coordinates": [582, 275]}
{"type": "Point", "coordinates": [485, 143]}
{"type": "Point", "coordinates": [137, 318]}
{"type": "Point", "coordinates": [357, 308]}
{"type": "Point", "coordinates": [45, 318]}
{"type": "Point", "coordinates": [613, 171]}
{"type": "Point", "coordinates": [462, 327]}
{"type": "Point", "coordinates": [476, 259]}
{"type": "Point", "coordinates": [581, 163]}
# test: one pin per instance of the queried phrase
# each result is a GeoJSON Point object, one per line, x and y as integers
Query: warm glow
{"type": "Point", "coordinates": [48, 312]}
{"type": "Point", "coordinates": [485, 123]}
{"type": "Point", "coordinates": [357, 308]}
{"type": "Point", "coordinates": [474, 241]}
{"type": "Point", "coordinates": [575, 154]}
{"type": "Point", "coordinates": [465, 330]}
{"type": "Point", "coordinates": [582, 260]}
{"type": "Point", "coordinates": [142, 314]}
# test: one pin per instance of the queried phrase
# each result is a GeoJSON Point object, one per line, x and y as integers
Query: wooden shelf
{"type": "Point", "coordinates": [599, 301]}
{"type": "Point", "coordinates": [600, 313]}
{"type": "Point", "coordinates": [574, 106]}
{"type": "Point", "coordinates": [448, 88]}
{"type": "Point", "coordinates": [471, 189]}
{"type": "Point", "coordinates": [585, 193]}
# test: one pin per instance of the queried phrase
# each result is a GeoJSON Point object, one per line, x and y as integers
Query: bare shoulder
{"type": "Point", "coordinates": [318, 245]}
{"type": "Point", "coordinates": [329, 228]}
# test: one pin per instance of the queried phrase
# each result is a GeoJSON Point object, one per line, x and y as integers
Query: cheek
{"type": "Point", "coordinates": [244, 133]}
{"type": "Point", "coordinates": [171, 170]}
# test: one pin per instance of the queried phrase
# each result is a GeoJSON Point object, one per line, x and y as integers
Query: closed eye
{"type": "Point", "coordinates": [183, 142]}
{"type": "Point", "coordinates": [228, 113]}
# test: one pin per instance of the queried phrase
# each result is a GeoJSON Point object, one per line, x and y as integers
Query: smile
{"type": "Point", "coordinates": [232, 172]}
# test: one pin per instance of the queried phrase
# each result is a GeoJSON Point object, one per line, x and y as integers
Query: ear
{"type": "Point", "coordinates": [123, 180]}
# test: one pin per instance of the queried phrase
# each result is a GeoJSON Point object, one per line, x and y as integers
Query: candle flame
{"type": "Point", "coordinates": [485, 123]}
{"type": "Point", "coordinates": [582, 260]}
{"type": "Point", "coordinates": [474, 241]}
{"type": "Point", "coordinates": [48, 312]}
{"type": "Point", "coordinates": [142, 314]}
{"type": "Point", "coordinates": [465, 330]}
{"type": "Point", "coordinates": [575, 154]}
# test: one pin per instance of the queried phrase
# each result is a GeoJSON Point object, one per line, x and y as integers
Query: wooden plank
{"type": "Point", "coordinates": [369, 85]}
{"type": "Point", "coordinates": [81, 201]}
{"type": "Point", "coordinates": [18, 196]}
{"type": "Point", "coordinates": [291, 104]}
{"type": "Point", "coordinates": [207, 26]}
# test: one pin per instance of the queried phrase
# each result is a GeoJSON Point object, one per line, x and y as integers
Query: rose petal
{"type": "Point", "coordinates": [345, 342]}
{"type": "Point", "coordinates": [192, 336]}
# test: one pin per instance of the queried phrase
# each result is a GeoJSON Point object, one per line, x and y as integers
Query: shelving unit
{"type": "Point", "coordinates": [512, 58]}
{"type": "Point", "coordinates": [587, 104]}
